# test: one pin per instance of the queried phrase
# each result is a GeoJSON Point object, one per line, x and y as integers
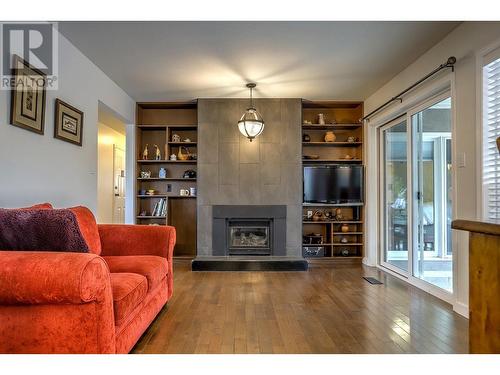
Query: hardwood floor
{"type": "Point", "coordinates": [329, 309]}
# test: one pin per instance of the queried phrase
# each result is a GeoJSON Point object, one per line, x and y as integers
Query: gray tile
{"type": "Point", "coordinates": [249, 151]}
{"type": "Point", "coordinates": [228, 194]}
{"type": "Point", "coordinates": [271, 194]}
{"type": "Point", "coordinates": [208, 182]}
{"type": "Point", "coordinates": [204, 228]}
{"type": "Point", "coordinates": [208, 142]}
{"type": "Point", "coordinates": [249, 184]}
{"type": "Point", "coordinates": [270, 173]}
{"type": "Point", "coordinates": [292, 178]}
{"type": "Point", "coordinates": [229, 163]}
{"type": "Point", "coordinates": [270, 152]}
{"type": "Point", "coordinates": [293, 229]}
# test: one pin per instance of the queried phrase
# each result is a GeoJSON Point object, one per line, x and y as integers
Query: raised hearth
{"type": "Point", "coordinates": [249, 263]}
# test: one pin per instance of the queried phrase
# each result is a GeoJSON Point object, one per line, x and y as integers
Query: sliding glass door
{"type": "Point", "coordinates": [432, 258]}
{"type": "Point", "coordinates": [416, 195]}
{"type": "Point", "coordinates": [394, 152]}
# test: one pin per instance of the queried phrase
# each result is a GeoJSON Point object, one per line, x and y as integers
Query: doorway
{"type": "Point", "coordinates": [416, 196]}
{"type": "Point", "coordinates": [111, 137]}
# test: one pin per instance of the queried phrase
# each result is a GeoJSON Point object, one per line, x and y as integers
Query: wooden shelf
{"type": "Point", "coordinates": [165, 179]}
{"type": "Point", "coordinates": [183, 127]}
{"type": "Point", "coordinates": [157, 123]}
{"type": "Point", "coordinates": [347, 244]}
{"type": "Point", "coordinates": [330, 144]}
{"type": "Point", "coordinates": [332, 222]}
{"type": "Point", "coordinates": [166, 161]}
{"type": "Point", "coordinates": [331, 160]}
{"type": "Point", "coordinates": [330, 126]}
{"type": "Point", "coordinates": [342, 118]}
{"type": "Point", "coordinates": [182, 143]}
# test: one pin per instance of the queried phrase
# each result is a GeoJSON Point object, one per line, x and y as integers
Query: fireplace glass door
{"type": "Point", "coordinates": [249, 237]}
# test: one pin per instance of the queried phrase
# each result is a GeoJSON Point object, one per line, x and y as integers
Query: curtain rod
{"type": "Point", "coordinates": [448, 64]}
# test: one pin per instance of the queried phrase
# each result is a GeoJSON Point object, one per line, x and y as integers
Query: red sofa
{"type": "Point", "coordinates": [58, 302]}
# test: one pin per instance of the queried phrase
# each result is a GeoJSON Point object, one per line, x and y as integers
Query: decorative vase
{"type": "Point", "coordinates": [344, 228]}
{"type": "Point", "coordinates": [321, 119]}
{"type": "Point", "coordinates": [344, 252]}
{"type": "Point", "coordinates": [181, 155]}
{"type": "Point", "coordinates": [306, 138]}
{"type": "Point", "coordinates": [330, 136]}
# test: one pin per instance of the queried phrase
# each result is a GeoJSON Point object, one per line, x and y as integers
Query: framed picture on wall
{"type": "Point", "coordinates": [68, 123]}
{"type": "Point", "coordinates": [27, 109]}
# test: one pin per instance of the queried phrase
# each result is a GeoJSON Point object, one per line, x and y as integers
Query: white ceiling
{"type": "Point", "coordinates": [158, 61]}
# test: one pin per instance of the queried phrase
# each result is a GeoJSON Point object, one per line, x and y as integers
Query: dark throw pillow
{"type": "Point", "coordinates": [41, 230]}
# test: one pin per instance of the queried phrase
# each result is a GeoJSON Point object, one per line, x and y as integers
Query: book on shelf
{"type": "Point", "coordinates": [160, 208]}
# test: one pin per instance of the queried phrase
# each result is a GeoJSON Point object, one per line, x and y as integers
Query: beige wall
{"type": "Point", "coordinates": [39, 168]}
{"type": "Point", "coordinates": [106, 138]}
{"type": "Point", "coordinates": [465, 43]}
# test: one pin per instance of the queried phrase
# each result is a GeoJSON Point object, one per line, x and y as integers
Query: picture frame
{"type": "Point", "coordinates": [68, 123]}
{"type": "Point", "coordinates": [27, 105]}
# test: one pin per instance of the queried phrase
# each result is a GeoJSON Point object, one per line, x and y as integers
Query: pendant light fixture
{"type": "Point", "coordinates": [251, 124]}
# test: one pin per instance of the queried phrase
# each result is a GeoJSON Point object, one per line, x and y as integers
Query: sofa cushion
{"type": "Point", "coordinates": [129, 289]}
{"type": "Point", "coordinates": [154, 268]}
{"type": "Point", "coordinates": [40, 230]}
{"type": "Point", "coordinates": [88, 227]}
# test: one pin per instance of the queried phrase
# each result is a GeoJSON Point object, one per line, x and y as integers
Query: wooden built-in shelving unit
{"type": "Point", "coordinates": [156, 124]}
{"type": "Point", "coordinates": [343, 118]}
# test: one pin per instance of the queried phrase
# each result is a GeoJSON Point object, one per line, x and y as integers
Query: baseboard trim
{"type": "Point", "coordinates": [462, 309]}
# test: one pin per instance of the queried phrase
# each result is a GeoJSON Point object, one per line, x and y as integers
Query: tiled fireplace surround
{"type": "Point", "coordinates": [234, 171]}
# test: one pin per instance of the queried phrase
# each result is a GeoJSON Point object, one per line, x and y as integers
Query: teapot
{"type": "Point", "coordinates": [317, 216]}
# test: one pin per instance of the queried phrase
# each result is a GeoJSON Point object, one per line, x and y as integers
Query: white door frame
{"type": "Point", "coordinates": [408, 276]}
{"type": "Point", "coordinates": [382, 203]}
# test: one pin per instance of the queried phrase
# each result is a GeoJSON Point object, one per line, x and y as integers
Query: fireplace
{"type": "Point", "coordinates": [249, 230]}
{"type": "Point", "coordinates": [249, 237]}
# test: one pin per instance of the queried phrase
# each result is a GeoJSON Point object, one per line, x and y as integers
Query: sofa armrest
{"type": "Point", "coordinates": [119, 239]}
{"type": "Point", "coordinates": [31, 278]}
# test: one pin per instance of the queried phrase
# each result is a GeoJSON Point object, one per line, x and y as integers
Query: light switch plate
{"type": "Point", "coordinates": [461, 160]}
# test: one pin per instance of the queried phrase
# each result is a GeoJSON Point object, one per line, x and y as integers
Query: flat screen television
{"type": "Point", "coordinates": [333, 184]}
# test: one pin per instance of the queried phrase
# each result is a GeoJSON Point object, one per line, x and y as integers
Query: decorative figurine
{"type": "Point", "coordinates": [157, 153]}
{"type": "Point", "coordinates": [162, 173]}
{"type": "Point", "coordinates": [321, 119]}
{"type": "Point", "coordinates": [145, 174]}
{"type": "Point", "coordinates": [345, 252]}
{"type": "Point", "coordinates": [330, 136]}
{"type": "Point", "coordinates": [176, 138]}
{"type": "Point", "coordinates": [306, 138]}
{"type": "Point", "coordinates": [145, 153]}
{"type": "Point", "coordinates": [173, 157]}
{"type": "Point", "coordinates": [343, 240]}
{"type": "Point", "coordinates": [338, 214]}
{"type": "Point", "coordinates": [351, 139]}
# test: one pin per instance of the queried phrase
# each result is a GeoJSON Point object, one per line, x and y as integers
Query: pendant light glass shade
{"type": "Point", "coordinates": [251, 124]}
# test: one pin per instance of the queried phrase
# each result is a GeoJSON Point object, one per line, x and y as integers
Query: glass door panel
{"type": "Point", "coordinates": [395, 163]}
{"type": "Point", "coordinates": [432, 202]}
